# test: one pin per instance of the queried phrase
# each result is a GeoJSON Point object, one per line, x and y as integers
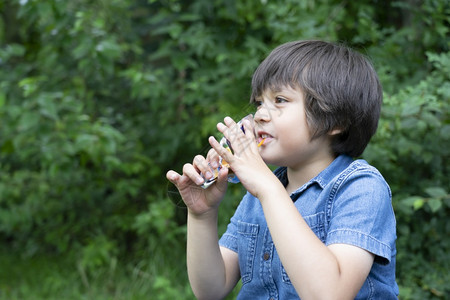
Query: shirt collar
{"type": "Point", "coordinates": [323, 178]}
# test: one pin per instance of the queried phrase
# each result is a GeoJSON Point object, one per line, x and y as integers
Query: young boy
{"type": "Point", "coordinates": [321, 226]}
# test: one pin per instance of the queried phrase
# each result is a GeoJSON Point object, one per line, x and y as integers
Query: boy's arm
{"type": "Point", "coordinates": [213, 270]}
{"type": "Point", "coordinates": [316, 271]}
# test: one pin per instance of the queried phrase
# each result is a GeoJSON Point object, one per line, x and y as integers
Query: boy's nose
{"type": "Point", "coordinates": [262, 114]}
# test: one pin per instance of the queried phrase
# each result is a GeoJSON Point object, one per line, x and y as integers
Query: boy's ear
{"type": "Point", "coordinates": [335, 131]}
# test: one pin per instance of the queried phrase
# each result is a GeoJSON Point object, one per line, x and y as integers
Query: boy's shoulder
{"type": "Point", "coordinates": [361, 166]}
{"type": "Point", "coordinates": [346, 170]}
{"type": "Point", "coordinates": [361, 175]}
{"type": "Point", "coordinates": [343, 170]}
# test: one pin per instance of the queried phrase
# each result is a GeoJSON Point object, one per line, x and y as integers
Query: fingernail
{"type": "Point", "coordinates": [214, 165]}
{"type": "Point", "coordinates": [208, 175]}
{"type": "Point", "coordinates": [199, 180]}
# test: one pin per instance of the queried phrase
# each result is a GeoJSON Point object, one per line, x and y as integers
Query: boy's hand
{"type": "Point", "coordinates": [197, 199]}
{"type": "Point", "coordinates": [245, 161]}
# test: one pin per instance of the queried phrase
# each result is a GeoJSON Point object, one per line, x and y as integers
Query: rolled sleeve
{"type": "Point", "coordinates": [361, 214]}
{"type": "Point", "coordinates": [229, 238]}
{"type": "Point", "coordinates": [229, 241]}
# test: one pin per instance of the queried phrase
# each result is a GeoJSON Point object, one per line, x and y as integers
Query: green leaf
{"type": "Point", "coordinates": [436, 192]}
{"type": "Point", "coordinates": [445, 132]}
{"type": "Point", "coordinates": [28, 120]}
{"type": "Point", "coordinates": [434, 204]}
{"type": "Point", "coordinates": [418, 203]}
{"type": "Point", "coordinates": [410, 110]}
{"type": "Point", "coordinates": [413, 201]}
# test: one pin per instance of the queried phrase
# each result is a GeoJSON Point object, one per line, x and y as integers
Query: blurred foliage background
{"type": "Point", "coordinates": [98, 99]}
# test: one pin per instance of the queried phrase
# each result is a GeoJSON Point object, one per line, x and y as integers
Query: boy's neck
{"type": "Point", "coordinates": [301, 175]}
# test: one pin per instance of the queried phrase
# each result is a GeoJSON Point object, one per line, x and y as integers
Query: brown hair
{"type": "Point", "coordinates": [340, 86]}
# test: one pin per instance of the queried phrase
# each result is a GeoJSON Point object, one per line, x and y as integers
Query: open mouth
{"type": "Point", "coordinates": [263, 138]}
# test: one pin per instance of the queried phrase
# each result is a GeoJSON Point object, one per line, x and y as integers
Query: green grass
{"type": "Point", "coordinates": [63, 278]}
{"type": "Point", "coordinates": [50, 277]}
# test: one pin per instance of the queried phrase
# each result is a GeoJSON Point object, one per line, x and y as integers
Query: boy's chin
{"type": "Point", "coordinates": [272, 161]}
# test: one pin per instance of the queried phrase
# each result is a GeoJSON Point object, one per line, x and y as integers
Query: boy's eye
{"type": "Point", "coordinates": [257, 103]}
{"type": "Point", "coordinates": [280, 100]}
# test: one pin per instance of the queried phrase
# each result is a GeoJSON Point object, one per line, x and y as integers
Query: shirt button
{"type": "Point", "coordinates": [266, 256]}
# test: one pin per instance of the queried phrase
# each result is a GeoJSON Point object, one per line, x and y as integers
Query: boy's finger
{"type": "Point", "coordinates": [177, 179]}
{"type": "Point", "coordinates": [224, 153]}
{"type": "Point", "coordinates": [222, 179]}
{"type": "Point", "coordinates": [172, 176]}
{"type": "Point", "coordinates": [229, 121]}
{"type": "Point", "coordinates": [249, 128]}
{"type": "Point", "coordinates": [190, 172]}
{"type": "Point", "coordinates": [230, 129]}
{"type": "Point", "coordinates": [203, 167]}
{"type": "Point", "coordinates": [213, 159]}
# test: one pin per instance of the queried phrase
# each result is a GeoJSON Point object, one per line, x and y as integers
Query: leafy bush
{"type": "Point", "coordinates": [99, 98]}
{"type": "Point", "coordinates": [412, 150]}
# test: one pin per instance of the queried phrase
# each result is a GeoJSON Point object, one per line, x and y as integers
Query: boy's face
{"type": "Point", "coordinates": [280, 118]}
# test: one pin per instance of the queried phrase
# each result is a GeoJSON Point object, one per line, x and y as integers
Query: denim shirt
{"type": "Point", "coordinates": [349, 203]}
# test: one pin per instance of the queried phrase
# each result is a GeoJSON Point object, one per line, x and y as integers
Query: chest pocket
{"type": "Point", "coordinates": [317, 224]}
{"type": "Point", "coordinates": [248, 234]}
